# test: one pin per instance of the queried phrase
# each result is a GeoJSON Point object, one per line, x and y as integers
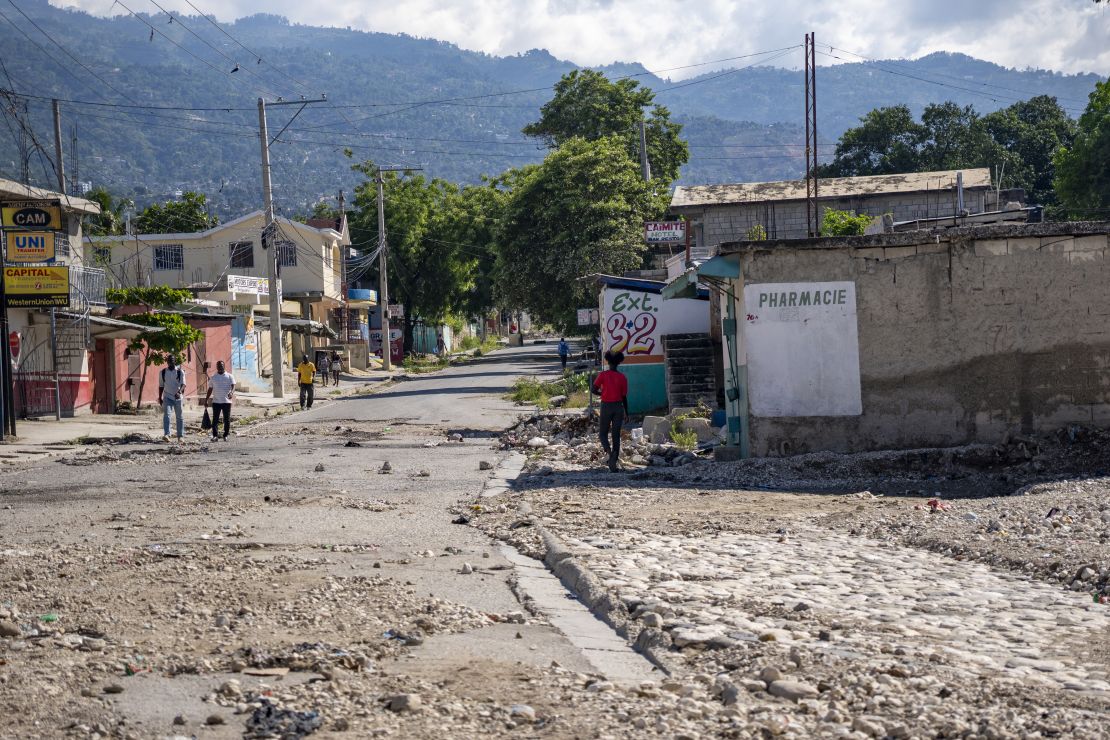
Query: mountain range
{"type": "Point", "coordinates": [396, 99]}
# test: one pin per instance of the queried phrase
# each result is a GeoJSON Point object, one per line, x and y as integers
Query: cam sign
{"type": "Point", "coordinates": [664, 232]}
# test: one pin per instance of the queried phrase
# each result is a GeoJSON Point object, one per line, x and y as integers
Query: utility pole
{"type": "Point", "coordinates": [813, 211]}
{"type": "Point", "coordinates": [343, 253]}
{"type": "Point", "coordinates": [383, 264]}
{"type": "Point", "coordinates": [59, 163]}
{"type": "Point", "coordinates": [268, 244]}
{"type": "Point", "coordinates": [645, 165]}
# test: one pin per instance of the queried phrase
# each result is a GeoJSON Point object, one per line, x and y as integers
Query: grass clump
{"type": "Point", "coordinates": [424, 363]}
{"type": "Point", "coordinates": [685, 440]}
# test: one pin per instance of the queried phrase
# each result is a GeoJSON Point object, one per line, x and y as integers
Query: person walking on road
{"type": "Point", "coordinates": [221, 389]}
{"type": "Point", "coordinates": [325, 369]}
{"type": "Point", "coordinates": [306, 375]}
{"type": "Point", "coordinates": [564, 352]}
{"type": "Point", "coordinates": [336, 365]}
{"type": "Point", "coordinates": [171, 391]}
{"type": "Point", "coordinates": [612, 386]}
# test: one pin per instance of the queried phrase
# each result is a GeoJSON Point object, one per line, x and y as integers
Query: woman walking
{"type": "Point", "coordinates": [612, 386]}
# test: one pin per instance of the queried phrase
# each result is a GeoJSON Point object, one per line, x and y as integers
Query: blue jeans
{"type": "Point", "coordinates": [175, 404]}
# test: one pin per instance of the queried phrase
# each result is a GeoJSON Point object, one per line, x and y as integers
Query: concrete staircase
{"type": "Point", "coordinates": [689, 363]}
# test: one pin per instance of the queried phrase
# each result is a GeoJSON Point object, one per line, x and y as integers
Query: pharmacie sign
{"type": "Point", "coordinates": [664, 232]}
{"type": "Point", "coordinates": [37, 287]}
{"type": "Point", "coordinates": [30, 246]}
{"type": "Point", "coordinates": [32, 215]}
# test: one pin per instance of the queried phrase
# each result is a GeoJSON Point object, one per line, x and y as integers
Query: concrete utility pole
{"type": "Point", "coordinates": [60, 166]}
{"type": "Point", "coordinates": [383, 264]}
{"type": "Point", "coordinates": [273, 255]}
{"type": "Point", "coordinates": [645, 165]}
{"type": "Point", "coordinates": [277, 366]}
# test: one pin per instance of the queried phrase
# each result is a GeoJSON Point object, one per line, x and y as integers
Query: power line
{"type": "Point", "coordinates": [66, 51]}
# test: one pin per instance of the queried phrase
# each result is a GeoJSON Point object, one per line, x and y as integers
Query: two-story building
{"type": "Point", "coordinates": [225, 267]}
{"type": "Point", "coordinates": [59, 352]}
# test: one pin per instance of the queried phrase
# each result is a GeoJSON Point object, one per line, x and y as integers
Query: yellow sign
{"type": "Point", "coordinates": [37, 287]}
{"type": "Point", "coordinates": [30, 246]}
{"type": "Point", "coordinates": [33, 215]}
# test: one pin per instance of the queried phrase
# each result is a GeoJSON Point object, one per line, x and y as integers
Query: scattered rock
{"type": "Point", "coordinates": [9, 629]}
{"type": "Point", "coordinates": [386, 468]}
{"type": "Point", "coordinates": [485, 465]}
{"type": "Point", "coordinates": [792, 690]}
{"type": "Point", "coordinates": [522, 712]}
{"type": "Point", "coordinates": [537, 442]}
{"type": "Point", "coordinates": [319, 467]}
{"type": "Point", "coordinates": [113, 688]}
{"type": "Point", "coordinates": [403, 703]}
{"type": "Point", "coordinates": [214, 719]}
{"type": "Point", "coordinates": [466, 569]}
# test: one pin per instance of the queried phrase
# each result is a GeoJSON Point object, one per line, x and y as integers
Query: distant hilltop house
{"type": "Point", "coordinates": [733, 212]}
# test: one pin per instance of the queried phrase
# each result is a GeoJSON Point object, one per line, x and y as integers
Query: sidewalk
{"type": "Point", "coordinates": [38, 438]}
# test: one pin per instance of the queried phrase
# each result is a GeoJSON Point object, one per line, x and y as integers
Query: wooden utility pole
{"type": "Point", "coordinates": [269, 245]}
{"type": "Point", "coordinates": [59, 163]}
{"type": "Point", "coordinates": [344, 290]}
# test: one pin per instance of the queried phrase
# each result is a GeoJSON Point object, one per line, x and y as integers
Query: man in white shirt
{"type": "Point", "coordinates": [171, 391]}
{"type": "Point", "coordinates": [221, 389]}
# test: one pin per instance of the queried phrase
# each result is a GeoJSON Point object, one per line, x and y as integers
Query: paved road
{"type": "Point", "coordinates": [467, 396]}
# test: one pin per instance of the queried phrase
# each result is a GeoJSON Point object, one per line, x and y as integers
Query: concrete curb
{"type": "Point", "coordinates": [602, 603]}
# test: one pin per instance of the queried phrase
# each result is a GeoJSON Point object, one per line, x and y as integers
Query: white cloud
{"type": "Point", "coordinates": [1062, 35]}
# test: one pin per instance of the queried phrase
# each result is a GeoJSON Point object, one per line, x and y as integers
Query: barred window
{"type": "Point", "coordinates": [102, 255]}
{"type": "Point", "coordinates": [61, 243]}
{"type": "Point", "coordinates": [287, 254]}
{"type": "Point", "coordinates": [169, 257]}
{"type": "Point", "coordinates": [241, 254]}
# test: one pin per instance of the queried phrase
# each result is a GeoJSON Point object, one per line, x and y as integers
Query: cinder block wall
{"type": "Point", "coordinates": [962, 339]}
{"type": "Point", "coordinates": [787, 219]}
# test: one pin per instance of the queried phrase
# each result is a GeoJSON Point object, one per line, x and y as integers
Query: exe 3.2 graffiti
{"type": "Point", "coordinates": [632, 323]}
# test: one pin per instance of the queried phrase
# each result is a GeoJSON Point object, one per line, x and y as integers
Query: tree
{"type": "Point", "coordinates": [1083, 169]}
{"type": "Point", "coordinates": [886, 142]}
{"type": "Point", "coordinates": [184, 216]}
{"type": "Point", "coordinates": [430, 270]}
{"type": "Point", "coordinates": [1033, 131]}
{"type": "Point", "coordinates": [1019, 141]}
{"type": "Point", "coordinates": [587, 105]}
{"type": "Point", "coordinates": [578, 213]}
{"type": "Point", "coordinates": [169, 334]}
{"type": "Point", "coordinates": [111, 219]}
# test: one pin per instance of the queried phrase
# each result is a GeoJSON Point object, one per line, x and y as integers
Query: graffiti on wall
{"type": "Point", "coordinates": [632, 323]}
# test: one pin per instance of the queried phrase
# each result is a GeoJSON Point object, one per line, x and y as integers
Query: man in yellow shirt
{"type": "Point", "coordinates": [306, 373]}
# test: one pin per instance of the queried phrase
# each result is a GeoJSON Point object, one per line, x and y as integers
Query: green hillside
{"type": "Point", "coordinates": [398, 100]}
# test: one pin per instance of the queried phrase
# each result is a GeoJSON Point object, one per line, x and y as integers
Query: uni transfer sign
{"type": "Point", "coordinates": [30, 246]}
{"type": "Point", "coordinates": [33, 215]}
{"type": "Point", "coordinates": [37, 287]}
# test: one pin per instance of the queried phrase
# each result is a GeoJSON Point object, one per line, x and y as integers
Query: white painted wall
{"type": "Point", "coordinates": [802, 349]}
{"type": "Point", "coordinates": [634, 322]}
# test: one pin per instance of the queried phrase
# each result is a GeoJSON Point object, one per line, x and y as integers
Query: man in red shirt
{"type": "Point", "coordinates": [612, 385]}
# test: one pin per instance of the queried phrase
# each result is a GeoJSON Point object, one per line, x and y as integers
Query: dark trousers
{"type": "Point", "coordinates": [217, 409]}
{"type": "Point", "coordinates": [308, 392]}
{"type": "Point", "coordinates": [612, 420]}
{"type": "Point", "coordinates": [563, 359]}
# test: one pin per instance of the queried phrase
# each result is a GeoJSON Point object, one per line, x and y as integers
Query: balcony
{"type": "Point", "coordinates": [87, 287]}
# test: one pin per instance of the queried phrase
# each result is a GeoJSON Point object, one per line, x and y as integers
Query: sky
{"type": "Point", "coordinates": [1061, 35]}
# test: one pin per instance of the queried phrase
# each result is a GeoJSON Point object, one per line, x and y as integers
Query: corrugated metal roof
{"type": "Point", "coordinates": [832, 187]}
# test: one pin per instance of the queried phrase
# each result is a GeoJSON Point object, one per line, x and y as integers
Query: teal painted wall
{"type": "Point", "coordinates": [647, 387]}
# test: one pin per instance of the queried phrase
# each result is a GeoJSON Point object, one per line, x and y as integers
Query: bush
{"type": "Point", "coordinates": [686, 440]}
{"type": "Point", "coordinates": [843, 223]}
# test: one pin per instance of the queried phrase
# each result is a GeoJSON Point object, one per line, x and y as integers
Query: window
{"type": "Point", "coordinates": [169, 257]}
{"type": "Point", "coordinates": [61, 244]}
{"type": "Point", "coordinates": [287, 256]}
{"type": "Point", "coordinates": [241, 254]}
{"type": "Point", "coordinates": [102, 255]}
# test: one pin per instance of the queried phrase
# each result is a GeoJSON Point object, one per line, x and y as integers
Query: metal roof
{"type": "Point", "coordinates": [832, 187]}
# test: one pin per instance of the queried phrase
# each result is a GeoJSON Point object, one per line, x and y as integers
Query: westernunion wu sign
{"type": "Point", "coordinates": [30, 246]}
{"type": "Point", "coordinates": [33, 215]}
{"type": "Point", "coordinates": [37, 287]}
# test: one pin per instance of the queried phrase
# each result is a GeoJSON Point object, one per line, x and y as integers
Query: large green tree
{"type": "Point", "coordinates": [188, 214]}
{"type": "Point", "coordinates": [431, 271]}
{"type": "Point", "coordinates": [587, 105]}
{"type": "Point", "coordinates": [1019, 141]}
{"type": "Point", "coordinates": [1083, 169]}
{"type": "Point", "coordinates": [580, 212]}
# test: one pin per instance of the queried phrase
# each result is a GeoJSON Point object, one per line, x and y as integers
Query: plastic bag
{"type": "Point", "coordinates": [206, 422]}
